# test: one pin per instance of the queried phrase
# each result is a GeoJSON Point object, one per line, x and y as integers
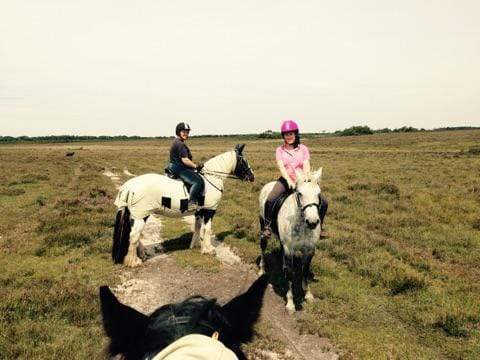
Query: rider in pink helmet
{"type": "Point", "coordinates": [290, 156]}
{"type": "Point", "coordinates": [288, 125]}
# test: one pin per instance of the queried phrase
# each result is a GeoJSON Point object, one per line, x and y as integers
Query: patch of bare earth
{"type": "Point", "coordinates": [160, 280]}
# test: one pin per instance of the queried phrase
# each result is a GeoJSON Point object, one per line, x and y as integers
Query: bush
{"type": "Point", "coordinates": [457, 322]}
{"type": "Point", "coordinates": [70, 238]}
{"type": "Point", "coordinates": [11, 191]}
{"type": "Point", "coordinates": [474, 150]}
{"type": "Point", "coordinates": [387, 188]}
{"type": "Point", "coordinates": [359, 186]}
{"type": "Point", "coordinates": [355, 131]}
{"type": "Point", "coordinates": [406, 129]}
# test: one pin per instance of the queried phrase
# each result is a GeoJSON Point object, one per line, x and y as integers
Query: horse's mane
{"type": "Point", "coordinates": [195, 315]}
{"type": "Point", "coordinates": [221, 162]}
{"type": "Point", "coordinates": [135, 335]}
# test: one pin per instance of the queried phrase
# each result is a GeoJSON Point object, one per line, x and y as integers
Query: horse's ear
{"type": "Point", "coordinates": [300, 176]}
{"type": "Point", "coordinates": [317, 175]}
{"type": "Point", "coordinates": [243, 311]}
{"type": "Point", "coordinates": [239, 148]}
{"type": "Point", "coordinates": [124, 326]}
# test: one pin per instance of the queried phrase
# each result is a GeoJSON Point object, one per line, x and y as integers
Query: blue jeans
{"type": "Point", "coordinates": [190, 177]}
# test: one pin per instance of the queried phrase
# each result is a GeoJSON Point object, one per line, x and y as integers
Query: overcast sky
{"type": "Point", "coordinates": [139, 67]}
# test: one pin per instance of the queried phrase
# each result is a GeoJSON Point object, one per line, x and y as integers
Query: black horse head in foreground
{"type": "Point", "coordinates": [138, 336]}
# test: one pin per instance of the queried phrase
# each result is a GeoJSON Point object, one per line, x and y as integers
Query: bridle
{"type": "Point", "coordinates": [242, 176]}
{"type": "Point", "coordinates": [304, 207]}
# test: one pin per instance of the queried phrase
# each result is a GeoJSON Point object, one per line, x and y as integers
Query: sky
{"type": "Point", "coordinates": [139, 67]}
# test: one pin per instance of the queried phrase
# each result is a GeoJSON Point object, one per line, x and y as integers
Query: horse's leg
{"type": "Point", "coordinates": [207, 247]}
{"type": "Point", "coordinates": [305, 283]}
{"type": "Point", "coordinates": [263, 247]}
{"type": "Point", "coordinates": [131, 259]}
{"type": "Point", "coordinates": [141, 250]}
{"type": "Point", "coordinates": [288, 271]}
{"type": "Point", "coordinates": [198, 227]}
{"type": "Point", "coordinates": [308, 294]}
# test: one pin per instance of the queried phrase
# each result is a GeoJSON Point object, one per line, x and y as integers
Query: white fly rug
{"type": "Point", "coordinates": [153, 193]}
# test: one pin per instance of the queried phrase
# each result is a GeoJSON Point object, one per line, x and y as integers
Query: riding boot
{"type": "Point", "coordinates": [323, 212]}
{"type": "Point", "coordinates": [267, 227]}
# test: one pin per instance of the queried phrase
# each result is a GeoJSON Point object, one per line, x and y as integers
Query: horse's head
{"type": "Point", "coordinates": [307, 192]}
{"type": "Point", "coordinates": [242, 168]}
{"type": "Point", "coordinates": [135, 335]}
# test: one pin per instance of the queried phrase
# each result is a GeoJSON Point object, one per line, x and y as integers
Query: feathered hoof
{"type": "Point", "coordinates": [290, 307]}
{"type": "Point", "coordinates": [309, 297]}
{"type": "Point", "coordinates": [195, 243]}
{"type": "Point", "coordinates": [132, 261]}
{"type": "Point", "coordinates": [208, 250]}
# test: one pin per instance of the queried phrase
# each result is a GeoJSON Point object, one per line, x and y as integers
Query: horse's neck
{"type": "Point", "coordinates": [218, 168]}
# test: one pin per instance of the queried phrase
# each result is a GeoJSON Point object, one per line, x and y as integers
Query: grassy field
{"type": "Point", "coordinates": [398, 278]}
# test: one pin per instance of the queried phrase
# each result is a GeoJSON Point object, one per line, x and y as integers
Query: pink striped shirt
{"type": "Point", "coordinates": [293, 159]}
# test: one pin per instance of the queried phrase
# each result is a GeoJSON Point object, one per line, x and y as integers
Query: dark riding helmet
{"type": "Point", "coordinates": [181, 126]}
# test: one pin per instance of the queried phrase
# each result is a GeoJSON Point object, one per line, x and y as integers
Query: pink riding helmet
{"type": "Point", "coordinates": [288, 126]}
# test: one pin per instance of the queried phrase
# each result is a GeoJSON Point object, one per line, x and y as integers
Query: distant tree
{"type": "Point", "coordinates": [383, 131]}
{"type": "Point", "coordinates": [405, 129]}
{"type": "Point", "coordinates": [355, 131]}
{"type": "Point", "coordinates": [268, 134]}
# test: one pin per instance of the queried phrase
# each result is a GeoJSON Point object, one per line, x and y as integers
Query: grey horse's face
{"type": "Point", "coordinates": [308, 192]}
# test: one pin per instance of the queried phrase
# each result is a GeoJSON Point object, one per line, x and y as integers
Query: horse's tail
{"type": "Point", "coordinates": [121, 235]}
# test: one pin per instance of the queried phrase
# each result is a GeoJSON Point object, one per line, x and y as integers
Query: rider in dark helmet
{"type": "Point", "coordinates": [181, 163]}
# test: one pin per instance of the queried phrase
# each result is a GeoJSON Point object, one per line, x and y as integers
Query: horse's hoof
{"type": "Point", "coordinates": [309, 297]}
{"type": "Point", "coordinates": [132, 262]}
{"type": "Point", "coordinates": [261, 272]}
{"type": "Point", "coordinates": [209, 250]}
{"type": "Point", "coordinates": [194, 244]}
{"type": "Point", "coordinates": [290, 308]}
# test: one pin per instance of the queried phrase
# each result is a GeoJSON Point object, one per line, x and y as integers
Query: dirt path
{"type": "Point", "coordinates": [161, 280]}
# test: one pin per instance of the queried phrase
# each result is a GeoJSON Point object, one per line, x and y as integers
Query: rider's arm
{"type": "Point", "coordinates": [284, 173]}
{"type": "Point", "coordinates": [306, 167]}
{"type": "Point", "coordinates": [187, 162]}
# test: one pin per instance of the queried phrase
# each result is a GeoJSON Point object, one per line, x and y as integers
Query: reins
{"type": "Point", "coordinates": [214, 186]}
{"type": "Point", "coordinates": [226, 175]}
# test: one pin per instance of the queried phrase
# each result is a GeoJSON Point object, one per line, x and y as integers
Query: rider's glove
{"type": "Point", "coordinates": [199, 166]}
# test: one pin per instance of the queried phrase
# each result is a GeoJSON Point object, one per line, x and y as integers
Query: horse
{"type": "Point", "coordinates": [148, 194]}
{"type": "Point", "coordinates": [298, 229]}
{"type": "Point", "coordinates": [197, 325]}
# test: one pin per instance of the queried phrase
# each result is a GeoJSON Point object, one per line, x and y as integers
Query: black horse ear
{"type": "Point", "coordinates": [239, 148]}
{"type": "Point", "coordinates": [243, 311]}
{"type": "Point", "coordinates": [124, 326]}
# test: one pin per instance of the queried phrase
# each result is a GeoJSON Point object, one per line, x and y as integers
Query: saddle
{"type": "Point", "coordinates": [171, 175]}
{"type": "Point", "coordinates": [276, 209]}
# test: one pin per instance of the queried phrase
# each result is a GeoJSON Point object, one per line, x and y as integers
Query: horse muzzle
{"type": "Point", "coordinates": [312, 225]}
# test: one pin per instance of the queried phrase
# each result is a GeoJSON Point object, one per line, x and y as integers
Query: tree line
{"type": "Point", "coordinates": [351, 131]}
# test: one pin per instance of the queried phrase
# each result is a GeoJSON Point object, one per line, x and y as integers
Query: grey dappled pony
{"type": "Point", "coordinates": [299, 227]}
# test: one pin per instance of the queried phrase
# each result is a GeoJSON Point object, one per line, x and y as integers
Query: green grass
{"type": "Point", "coordinates": [398, 278]}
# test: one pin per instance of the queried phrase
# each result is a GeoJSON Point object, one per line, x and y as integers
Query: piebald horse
{"type": "Point", "coordinates": [299, 227]}
{"type": "Point", "coordinates": [148, 194]}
